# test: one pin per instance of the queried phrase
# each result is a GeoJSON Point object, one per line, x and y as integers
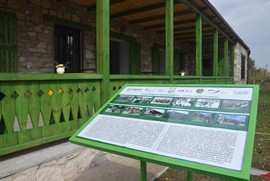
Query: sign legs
{"type": "Point", "coordinates": [143, 171]}
{"type": "Point", "coordinates": [189, 176]}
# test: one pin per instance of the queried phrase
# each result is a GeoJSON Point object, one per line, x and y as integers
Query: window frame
{"type": "Point", "coordinates": [68, 47]}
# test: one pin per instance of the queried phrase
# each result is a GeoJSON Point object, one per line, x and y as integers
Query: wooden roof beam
{"type": "Point", "coordinates": [163, 24]}
{"type": "Point", "coordinates": [153, 18]}
{"type": "Point", "coordinates": [178, 29]}
{"type": "Point", "coordinates": [138, 10]}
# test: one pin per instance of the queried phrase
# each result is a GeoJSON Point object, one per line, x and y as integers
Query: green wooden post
{"type": "Point", "coordinates": [143, 171]}
{"type": "Point", "coordinates": [226, 56]}
{"type": "Point", "coordinates": [103, 49]}
{"type": "Point", "coordinates": [232, 60]}
{"type": "Point", "coordinates": [215, 54]}
{"type": "Point", "coordinates": [198, 45]}
{"type": "Point", "coordinates": [169, 39]}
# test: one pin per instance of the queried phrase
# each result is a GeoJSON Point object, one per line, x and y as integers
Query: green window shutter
{"type": "Point", "coordinates": [8, 42]}
{"type": "Point", "coordinates": [135, 57]}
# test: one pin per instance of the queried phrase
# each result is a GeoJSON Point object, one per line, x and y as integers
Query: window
{"type": "Point", "coordinates": [119, 56]}
{"type": "Point", "coordinates": [8, 42]}
{"type": "Point", "coordinates": [68, 47]}
{"type": "Point", "coordinates": [243, 67]}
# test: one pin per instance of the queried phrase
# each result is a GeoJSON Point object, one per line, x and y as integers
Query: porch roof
{"type": "Point", "coordinates": [150, 15]}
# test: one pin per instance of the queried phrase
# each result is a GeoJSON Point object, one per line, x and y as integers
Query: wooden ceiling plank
{"type": "Point", "coordinates": [152, 18]}
{"type": "Point", "coordinates": [112, 2]}
{"type": "Point", "coordinates": [138, 10]}
{"type": "Point", "coordinates": [163, 24]}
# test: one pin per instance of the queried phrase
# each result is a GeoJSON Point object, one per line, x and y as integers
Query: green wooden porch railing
{"type": "Point", "coordinates": [40, 108]}
{"type": "Point", "coordinates": [117, 81]}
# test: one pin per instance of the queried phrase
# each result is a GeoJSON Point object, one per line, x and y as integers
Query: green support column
{"type": "Point", "coordinates": [215, 54]}
{"type": "Point", "coordinates": [198, 45]}
{"type": "Point", "coordinates": [169, 39]}
{"type": "Point", "coordinates": [103, 49]}
{"type": "Point", "coordinates": [189, 176]}
{"type": "Point", "coordinates": [232, 60]}
{"type": "Point", "coordinates": [143, 170]}
{"type": "Point", "coordinates": [226, 57]}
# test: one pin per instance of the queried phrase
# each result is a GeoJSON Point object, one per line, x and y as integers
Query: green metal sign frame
{"type": "Point", "coordinates": [190, 166]}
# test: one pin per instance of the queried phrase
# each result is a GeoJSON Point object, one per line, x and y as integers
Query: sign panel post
{"type": "Point", "coordinates": [209, 128]}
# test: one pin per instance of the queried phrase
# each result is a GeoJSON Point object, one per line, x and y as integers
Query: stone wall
{"type": "Point", "coordinates": [35, 35]}
{"type": "Point", "coordinates": [36, 44]}
{"type": "Point", "coordinates": [238, 53]}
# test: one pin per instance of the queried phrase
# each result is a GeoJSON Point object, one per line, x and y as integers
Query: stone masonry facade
{"type": "Point", "coordinates": [36, 36]}
{"type": "Point", "coordinates": [239, 53]}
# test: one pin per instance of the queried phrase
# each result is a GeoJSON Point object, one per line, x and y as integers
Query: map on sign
{"type": "Point", "coordinates": [207, 125]}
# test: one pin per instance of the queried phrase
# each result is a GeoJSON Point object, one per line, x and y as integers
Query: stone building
{"type": "Point", "coordinates": [138, 41]}
{"type": "Point", "coordinates": [36, 26]}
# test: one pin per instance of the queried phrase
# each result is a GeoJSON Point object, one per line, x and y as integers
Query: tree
{"type": "Point", "coordinates": [251, 68]}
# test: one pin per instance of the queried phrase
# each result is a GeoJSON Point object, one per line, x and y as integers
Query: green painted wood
{"type": "Point", "coordinates": [15, 147]}
{"type": "Point", "coordinates": [198, 45]}
{"type": "Point", "coordinates": [34, 102]}
{"type": "Point", "coordinates": [74, 101]}
{"type": "Point", "coordinates": [189, 176]}
{"type": "Point", "coordinates": [226, 57]}
{"type": "Point", "coordinates": [232, 60]}
{"type": "Point", "coordinates": [215, 54]}
{"type": "Point", "coordinates": [96, 95]}
{"type": "Point", "coordinates": [45, 101]}
{"type": "Point", "coordinates": [103, 50]}
{"type": "Point", "coordinates": [135, 57]}
{"type": "Point", "coordinates": [1, 141]}
{"type": "Point", "coordinates": [66, 127]}
{"type": "Point", "coordinates": [10, 139]}
{"type": "Point", "coordinates": [90, 96]}
{"type": "Point", "coordinates": [169, 42]}
{"type": "Point", "coordinates": [35, 134]}
{"type": "Point", "coordinates": [112, 2]}
{"type": "Point", "coordinates": [83, 112]}
{"type": "Point", "coordinates": [48, 76]}
{"type": "Point", "coordinates": [189, 4]}
{"type": "Point", "coordinates": [8, 42]}
{"type": "Point", "coordinates": [56, 101]}
{"type": "Point", "coordinates": [221, 62]}
{"type": "Point", "coordinates": [143, 170]}
{"type": "Point", "coordinates": [24, 136]}
{"type": "Point", "coordinates": [8, 105]}
{"type": "Point", "coordinates": [21, 103]}
{"type": "Point", "coordinates": [66, 99]}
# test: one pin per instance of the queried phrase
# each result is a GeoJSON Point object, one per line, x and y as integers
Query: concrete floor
{"type": "Point", "coordinates": [118, 168]}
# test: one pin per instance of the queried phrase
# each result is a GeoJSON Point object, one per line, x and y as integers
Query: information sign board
{"type": "Point", "coordinates": [207, 128]}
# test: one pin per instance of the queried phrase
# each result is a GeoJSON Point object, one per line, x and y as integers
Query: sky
{"type": "Point", "coordinates": [250, 19]}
